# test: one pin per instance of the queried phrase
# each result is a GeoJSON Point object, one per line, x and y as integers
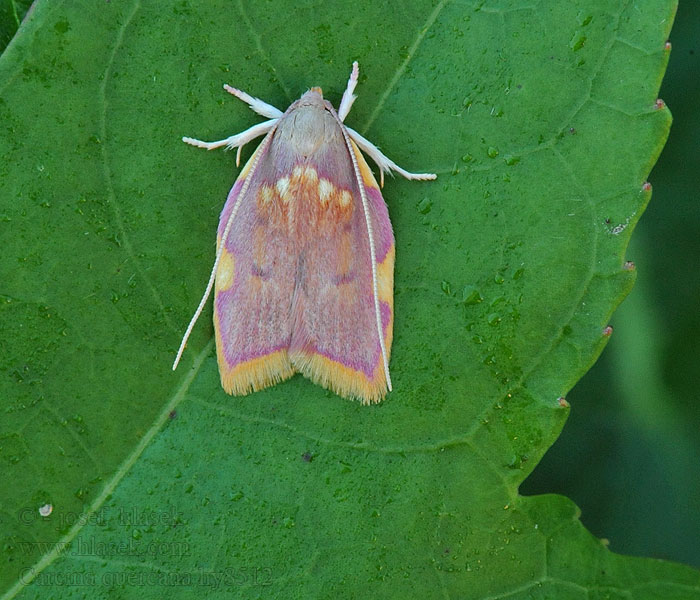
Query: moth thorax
{"type": "Point", "coordinates": [307, 129]}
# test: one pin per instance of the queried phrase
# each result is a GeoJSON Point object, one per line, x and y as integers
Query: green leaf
{"type": "Point", "coordinates": [542, 124]}
{"type": "Point", "coordinates": [11, 14]}
{"type": "Point", "coordinates": [626, 411]}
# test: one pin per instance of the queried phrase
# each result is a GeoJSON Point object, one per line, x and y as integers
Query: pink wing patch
{"type": "Point", "coordinates": [294, 284]}
{"type": "Point", "coordinates": [254, 284]}
{"type": "Point", "coordinates": [335, 340]}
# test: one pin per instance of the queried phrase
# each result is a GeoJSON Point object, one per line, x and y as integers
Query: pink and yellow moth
{"type": "Point", "coordinates": [304, 271]}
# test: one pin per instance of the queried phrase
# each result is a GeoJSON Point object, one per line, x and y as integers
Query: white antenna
{"type": "Point", "coordinates": [219, 251]}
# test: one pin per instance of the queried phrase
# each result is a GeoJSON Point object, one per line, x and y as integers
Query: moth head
{"type": "Point", "coordinates": [314, 98]}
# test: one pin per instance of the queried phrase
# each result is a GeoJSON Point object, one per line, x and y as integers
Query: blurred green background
{"type": "Point", "coordinates": [629, 455]}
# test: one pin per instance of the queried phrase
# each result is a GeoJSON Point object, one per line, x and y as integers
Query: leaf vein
{"type": "Point", "coordinates": [402, 68]}
{"type": "Point", "coordinates": [112, 198]}
{"type": "Point", "coordinates": [261, 51]}
{"type": "Point", "coordinates": [58, 550]}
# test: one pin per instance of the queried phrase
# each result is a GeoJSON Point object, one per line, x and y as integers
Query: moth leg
{"type": "Point", "coordinates": [384, 163]}
{"type": "Point", "coordinates": [258, 106]}
{"type": "Point", "coordinates": [234, 141]}
{"type": "Point", "coordinates": [348, 97]}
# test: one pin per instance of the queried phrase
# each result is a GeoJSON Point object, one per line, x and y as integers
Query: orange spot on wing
{"type": "Point", "coordinates": [385, 291]}
{"type": "Point", "coordinates": [246, 169]}
{"type": "Point", "coordinates": [304, 175]}
{"type": "Point", "coordinates": [304, 206]}
{"type": "Point", "coordinates": [265, 196]}
{"type": "Point", "coordinates": [283, 191]}
{"type": "Point", "coordinates": [325, 191]}
{"type": "Point", "coordinates": [385, 279]}
{"type": "Point", "coordinates": [344, 256]}
{"type": "Point", "coordinates": [225, 272]}
{"type": "Point", "coordinates": [367, 175]}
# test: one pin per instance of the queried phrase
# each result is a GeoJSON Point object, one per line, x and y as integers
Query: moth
{"type": "Point", "coordinates": [304, 271]}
